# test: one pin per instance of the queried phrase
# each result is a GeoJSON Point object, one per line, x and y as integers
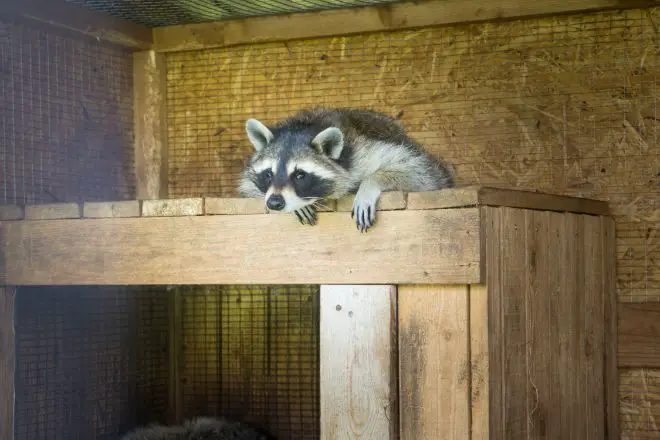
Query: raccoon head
{"type": "Point", "coordinates": [293, 168]}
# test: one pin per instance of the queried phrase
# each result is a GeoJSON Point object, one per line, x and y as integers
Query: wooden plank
{"type": "Point", "coordinates": [485, 196]}
{"type": "Point", "coordinates": [11, 212]}
{"type": "Point", "coordinates": [479, 361]}
{"type": "Point", "coordinates": [638, 335]}
{"type": "Point", "coordinates": [233, 206]}
{"type": "Point", "coordinates": [7, 362]}
{"type": "Point", "coordinates": [388, 201]}
{"type": "Point", "coordinates": [440, 247]}
{"type": "Point", "coordinates": [127, 208]}
{"type": "Point", "coordinates": [491, 219]}
{"type": "Point", "coordinates": [82, 21]}
{"type": "Point", "coordinates": [612, 331]}
{"type": "Point", "coordinates": [173, 207]}
{"type": "Point", "coordinates": [434, 362]}
{"type": "Point", "coordinates": [52, 211]}
{"type": "Point", "coordinates": [349, 21]}
{"type": "Point", "coordinates": [150, 124]}
{"type": "Point", "coordinates": [358, 371]}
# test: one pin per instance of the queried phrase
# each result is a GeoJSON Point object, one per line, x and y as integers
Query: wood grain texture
{"type": "Point", "coordinates": [53, 211]}
{"type": "Point", "coordinates": [126, 208]}
{"type": "Point", "coordinates": [439, 247]}
{"type": "Point", "coordinates": [11, 212]}
{"type": "Point", "coordinates": [82, 21]}
{"type": "Point", "coordinates": [150, 124]}
{"type": "Point", "coordinates": [369, 19]}
{"type": "Point", "coordinates": [173, 207]}
{"type": "Point", "coordinates": [547, 333]}
{"type": "Point", "coordinates": [358, 362]}
{"type": "Point", "coordinates": [7, 362]}
{"type": "Point", "coordinates": [612, 333]}
{"type": "Point", "coordinates": [487, 196]}
{"type": "Point", "coordinates": [233, 206]}
{"type": "Point", "coordinates": [434, 362]}
{"type": "Point", "coordinates": [479, 361]}
{"type": "Point", "coordinates": [639, 335]}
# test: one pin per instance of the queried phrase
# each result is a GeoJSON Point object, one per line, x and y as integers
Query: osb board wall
{"type": "Point", "coordinates": [250, 353]}
{"type": "Point", "coordinates": [91, 362]}
{"type": "Point", "coordinates": [65, 118]}
{"type": "Point", "coordinates": [564, 104]}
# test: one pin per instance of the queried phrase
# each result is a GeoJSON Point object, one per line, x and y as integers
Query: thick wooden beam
{"type": "Point", "coordinates": [7, 362]}
{"type": "Point", "coordinates": [433, 246]}
{"type": "Point", "coordinates": [434, 362]}
{"type": "Point", "coordinates": [389, 17]}
{"type": "Point", "coordinates": [72, 18]}
{"type": "Point", "coordinates": [358, 359]}
{"type": "Point", "coordinates": [150, 123]}
{"type": "Point", "coordinates": [639, 335]}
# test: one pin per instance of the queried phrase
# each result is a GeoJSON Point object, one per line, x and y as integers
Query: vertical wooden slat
{"type": "Point", "coordinates": [7, 362]}
{"type": "Point", "coordinates": [150, 124]}
{"type": "Point", "coordinates": [514, 313]}
{"type": "Point", "coordinates": [434, 362]}
{"type": "Point", "coordinates": [611, 323]}
{"type": "Point", "coordinates": [479, 361]}
{"type": "Point", "coordinates": [176, 334]}
{"type": "Point", "coordinates": [491, 219]}
{"type": "Point", "coordinates": [593, 327]}
{"type": "Point", "coordinates": [540, 283]}
{"type": "Point", "coordinates": [358, 362]}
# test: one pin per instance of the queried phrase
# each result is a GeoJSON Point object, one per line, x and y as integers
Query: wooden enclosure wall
{"type": "Point", "coordinates": [565, 104]}
{"type": "Point", "coordinates": [66, 118]}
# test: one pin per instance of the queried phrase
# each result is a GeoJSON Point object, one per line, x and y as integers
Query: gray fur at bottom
{"type": "Point", "coordinates": [203, 428]}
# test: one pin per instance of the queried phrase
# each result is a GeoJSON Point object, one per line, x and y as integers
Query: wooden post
{"type": "Point", "coordinates": [358, 362]}
{"type": "Point", "coordinates": [150, 123]}
{"type": "Point", "coordinates": [7, 360]}
{"type": "Point", "coordinates": [434, 362]}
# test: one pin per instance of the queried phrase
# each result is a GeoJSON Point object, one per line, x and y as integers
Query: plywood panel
{"type": "Point", "coordinates": [434, 362]}
{"type": "Point", "coordinates": [358, 362]}
{"type": "Point", "coordinates": [440, 247]}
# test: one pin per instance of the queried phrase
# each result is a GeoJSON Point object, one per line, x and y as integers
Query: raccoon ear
{"type": "Point", "coordinates": [329, 142]}
{"type": "Point", "coordinates": [259, 134]}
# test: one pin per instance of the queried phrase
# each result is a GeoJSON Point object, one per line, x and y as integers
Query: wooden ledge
{"type": "Point", "coordinates": [460, 197]}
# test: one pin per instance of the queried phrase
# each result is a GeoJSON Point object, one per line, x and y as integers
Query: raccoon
{"type": "Point", "coordinates": [327, 153]}
{"type": "Point", "coordinates": [202, 428]}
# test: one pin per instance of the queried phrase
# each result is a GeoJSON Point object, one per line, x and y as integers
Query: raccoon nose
{"type": "Point", "coordinates": [275, 202]}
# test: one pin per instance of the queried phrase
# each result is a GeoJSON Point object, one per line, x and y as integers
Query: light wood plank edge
{"type": "Point", "coordinates": [184, 207]}
{"type": "Point", "coordinates": [612, 314]}
{"type": "Point", "coordinates": [348, 21]}
{"type": "Point", "coordinates": [479, 360]}
{"type": "Point", "coordinates": [118, 209]}
{"type": "Point", "coordinates": [79, 20]}
{"type": "Point", "coordinates": [53, 211]}
{"type": "Point", "coordinates": [7, 361]}
{"type": "Point", "coordinates": [11, 212]}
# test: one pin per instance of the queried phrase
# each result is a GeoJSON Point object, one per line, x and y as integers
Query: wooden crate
{"type": "Point", "coordinates": [470, 313]}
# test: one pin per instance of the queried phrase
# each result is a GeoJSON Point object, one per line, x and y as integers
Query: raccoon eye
{"type": "Point", "coordinates": [268, 174]}
{"type": "Point", "coordinates": [299, 175]}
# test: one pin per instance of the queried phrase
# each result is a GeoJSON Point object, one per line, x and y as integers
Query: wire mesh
{"type": "Point", "coordinates": [251, 353]}
{"type": "Point", "coordinates": [66, 118]}
{"type": "Point", "coordinates": [91, 362]}
{"type": "Point", "coordinates": [154, 13]}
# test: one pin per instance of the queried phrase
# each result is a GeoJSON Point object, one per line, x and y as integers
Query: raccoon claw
{"type": "Point", "coordinates": [306, 215]}
{"type": "Point", "coordinates": [364, 216]}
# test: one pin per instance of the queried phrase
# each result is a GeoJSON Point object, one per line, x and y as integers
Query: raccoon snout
{"type": "Point", "coordinates": [275, 202]}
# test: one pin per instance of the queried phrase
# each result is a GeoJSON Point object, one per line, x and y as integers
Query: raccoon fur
{"type": "Point", "coordinates": [202, 428]}
{"type": "Point", "coordinates": [327, 153]}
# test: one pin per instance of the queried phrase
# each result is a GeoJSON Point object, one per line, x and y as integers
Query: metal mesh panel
{"type": "Point", "coordinates": [251, 353]}
{"type": "Point", "coordinates": [66, 118]}
{"type": "Point", "coordinates": [153, 13]}
{"type": "Point", "coordinates": [91, 362]}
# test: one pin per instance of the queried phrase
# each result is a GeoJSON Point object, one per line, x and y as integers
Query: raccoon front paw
{"type": "Point", "coordinates": [306, 215]}
{"type": "Point", "coordinates": [364, 212]}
